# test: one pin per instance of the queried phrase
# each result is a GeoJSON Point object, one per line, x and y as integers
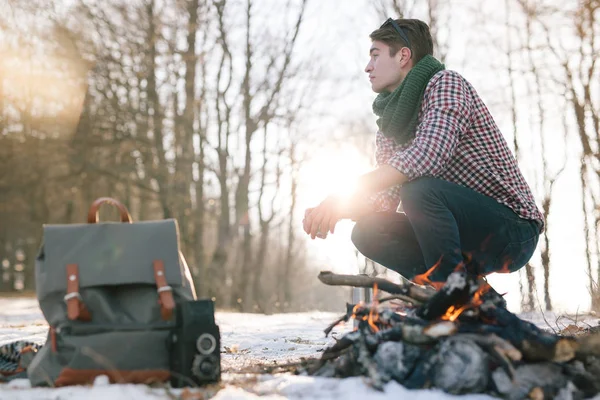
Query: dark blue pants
{"type": "Point", "coordinates": [446, 224]}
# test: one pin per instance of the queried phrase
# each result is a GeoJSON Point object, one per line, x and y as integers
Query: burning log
{"type": "Point", "coordinates": [457, 292]}
{"type": "Point", "coordinates": [461, 339]}
{"type": "Point", "coordinates": [412, 293]}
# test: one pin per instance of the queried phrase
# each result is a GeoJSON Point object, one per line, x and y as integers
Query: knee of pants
{"type": "Point", "coordinates": [417, 191]}
{"type": "Point", "coordinates": [363, 234]}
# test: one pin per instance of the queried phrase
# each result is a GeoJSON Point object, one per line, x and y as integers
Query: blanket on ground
{"type": "Point", "coordinates": [11, 359]}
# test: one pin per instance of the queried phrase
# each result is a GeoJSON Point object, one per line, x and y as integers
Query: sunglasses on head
{"type": "Point", "coordinates": [398, 29]}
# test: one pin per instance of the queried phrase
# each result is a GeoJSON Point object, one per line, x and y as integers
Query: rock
{"type": "Point", "coordinates": [545, 376]}
{"type": "Point", "coordinates": [462, 367]}
{"type": "Point", "coordinates": [397, 359]}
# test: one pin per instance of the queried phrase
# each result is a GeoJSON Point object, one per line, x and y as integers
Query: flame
{"type": "Point", "coordinates": [373, 317]}
{"type": "Point", "coordinates": [423, 279]}
{"type": "Point", "coordinates": [453, 313]}
{"type": "Point", "coordinates": [354, 310]}
{"type": "Point", "coordinates": [373, 314]}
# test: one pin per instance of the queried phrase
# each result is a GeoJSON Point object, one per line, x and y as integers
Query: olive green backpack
{"type": "Point", "coordinates": [108, 291]}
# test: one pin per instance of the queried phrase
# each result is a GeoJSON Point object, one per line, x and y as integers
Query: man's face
{"type": "Point", "coordinates": [385, 72]}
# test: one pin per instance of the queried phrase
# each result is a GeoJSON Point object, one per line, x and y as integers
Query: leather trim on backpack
{"type": "Point", "coordinates": [165, 292]}
{"type": "Point", "coordinates": [70, 376]}
{"type": "Point", "coordinates": [76, 309]}
{"type": "Point", "coordinates": [53, 342]}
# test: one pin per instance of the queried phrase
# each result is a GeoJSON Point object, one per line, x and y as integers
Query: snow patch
{"type": "Point", "coordinates": [252, 339]}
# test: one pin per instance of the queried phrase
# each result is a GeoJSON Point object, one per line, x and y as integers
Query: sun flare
{"type": "Point", "coordinates": [332, 172]}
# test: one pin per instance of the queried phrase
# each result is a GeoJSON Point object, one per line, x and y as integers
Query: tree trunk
{"type": "Point", "coordinates": [286, 299]}
{"type": "Point", "coordinates": [161, 172]}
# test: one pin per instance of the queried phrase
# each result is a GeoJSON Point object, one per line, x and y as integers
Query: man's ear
{"type": "Point", "coordinates": [405, 56]}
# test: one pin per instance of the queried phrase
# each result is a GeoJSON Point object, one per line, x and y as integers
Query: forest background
{"type": "Point", "coordinates": [233, 116]}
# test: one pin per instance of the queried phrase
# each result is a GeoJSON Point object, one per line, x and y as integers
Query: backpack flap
{"type": "Point", "coordinates": [79, 258]}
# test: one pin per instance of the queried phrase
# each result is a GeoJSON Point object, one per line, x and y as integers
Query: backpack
{"type": "Point", "coordinates": [108, 292]}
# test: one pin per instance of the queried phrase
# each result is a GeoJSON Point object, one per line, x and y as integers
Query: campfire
{"type": "Point", "coordinates": [459, 338]}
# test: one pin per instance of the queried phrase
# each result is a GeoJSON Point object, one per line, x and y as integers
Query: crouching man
{"type": "Point", "coordinates": [447, 193]}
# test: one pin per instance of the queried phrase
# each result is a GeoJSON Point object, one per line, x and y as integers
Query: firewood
{"type": "Point", "coordinates": [589, 345]}
{"type": "Point", "coordinates": [534, 343]}
{"type": "Point", "coordinates": [501, 351]}
{"type": "Point", "coordinates": [583, 378]}
{"type": "Point", "coordinates": [456, 292]}
{"type": "Point", "coordinates": [417, 333]}
{"type": "Point", "coordinates": [415, 292]}
{"type": "Point", "coordinates": [343, 318]}
{"type": "Point", "coordinates": [491, 340]}
{"type": "Point", "coordinates": [548, 377]}
{"type": "Point", "coordinates": [398, 359]}
{"type": "Point", "coordinates": [377, 379]}
{"type": "Point", "coordinates": [461, 339]}
{"type": "Point", "coordinates": [405, 299]}
{"type": "Point", "coordinates": [344, 342]}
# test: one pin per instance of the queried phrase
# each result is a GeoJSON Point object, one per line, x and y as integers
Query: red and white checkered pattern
{"type": "Point", "coordinates": [457, 140]}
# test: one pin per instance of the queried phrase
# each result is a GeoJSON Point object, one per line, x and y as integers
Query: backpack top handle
{"type": "Point", "coordinates": [93, 213]}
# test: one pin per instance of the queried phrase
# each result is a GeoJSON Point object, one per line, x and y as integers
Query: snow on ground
{"type": "Point", "coordinates": [246, 340]}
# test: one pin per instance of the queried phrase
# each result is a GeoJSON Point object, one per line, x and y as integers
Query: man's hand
{"type": "Point", "coordinates": [323, 218]}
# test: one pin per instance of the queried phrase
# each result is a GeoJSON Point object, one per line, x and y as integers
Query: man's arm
{"type": "Point", "coordinates": [325, 216]}
{"type": "Point", "coordinates": [380, 179]}
{"type": "Point", "coordinates": [385, 200]}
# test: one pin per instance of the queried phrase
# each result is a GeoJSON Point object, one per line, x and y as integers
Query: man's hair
{"type": "Point", "coordinates": [418, 34]}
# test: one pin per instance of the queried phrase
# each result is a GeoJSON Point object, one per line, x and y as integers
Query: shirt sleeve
{"type": "Point", "coordinates": [445, 118]}
{"type": "Point", "coordinates": [385, 148]}
{"type": "Point", "coordinates": [389, 199]}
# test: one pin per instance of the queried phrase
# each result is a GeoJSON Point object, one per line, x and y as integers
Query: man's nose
{"type": "Point", "coordinates": [369, 67]}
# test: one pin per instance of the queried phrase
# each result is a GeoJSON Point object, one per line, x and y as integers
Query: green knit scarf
{"type": "Point", "coordinates": [398, 111]}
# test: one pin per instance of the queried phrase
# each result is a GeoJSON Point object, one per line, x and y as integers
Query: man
{"type": "Point", "coordinates": [447, 193]}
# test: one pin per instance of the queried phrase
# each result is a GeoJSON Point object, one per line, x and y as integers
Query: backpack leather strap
{"type": "Point", "coordinates": [165, 292]}
{"type": "Point", "coordinates": [76, 309]}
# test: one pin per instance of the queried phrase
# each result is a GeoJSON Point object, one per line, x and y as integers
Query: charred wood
{"type": "Point", "coordinates": [398, 359]}
{"type": "Point", "coordinates": [461, 340]}
{"type": "Point", "coordinates": [585, 380]}
{"type": "Point", "coordinates": [457, 292]}
{"type": "Point", "coordinates": [534, 343]}
{"type": "Point", "coordinates": [417, 332]}
{"type": "Point", "coordinates": [342, 344]}
{"type": "Point", "coordinates": [420, 377]}
{"type": "Point", "coordinates": [377, 378]}
{"type": "Point", "coordinates": [501, 351]}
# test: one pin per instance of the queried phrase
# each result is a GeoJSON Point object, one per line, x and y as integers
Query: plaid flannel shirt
{"type": "Point", "coordinates": [457, 140]}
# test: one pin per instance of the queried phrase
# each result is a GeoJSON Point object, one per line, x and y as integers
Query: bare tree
{"type": "Point", "coordinates": [257, 114]}
{"type": "Point", "coordinates": [577, 62]}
